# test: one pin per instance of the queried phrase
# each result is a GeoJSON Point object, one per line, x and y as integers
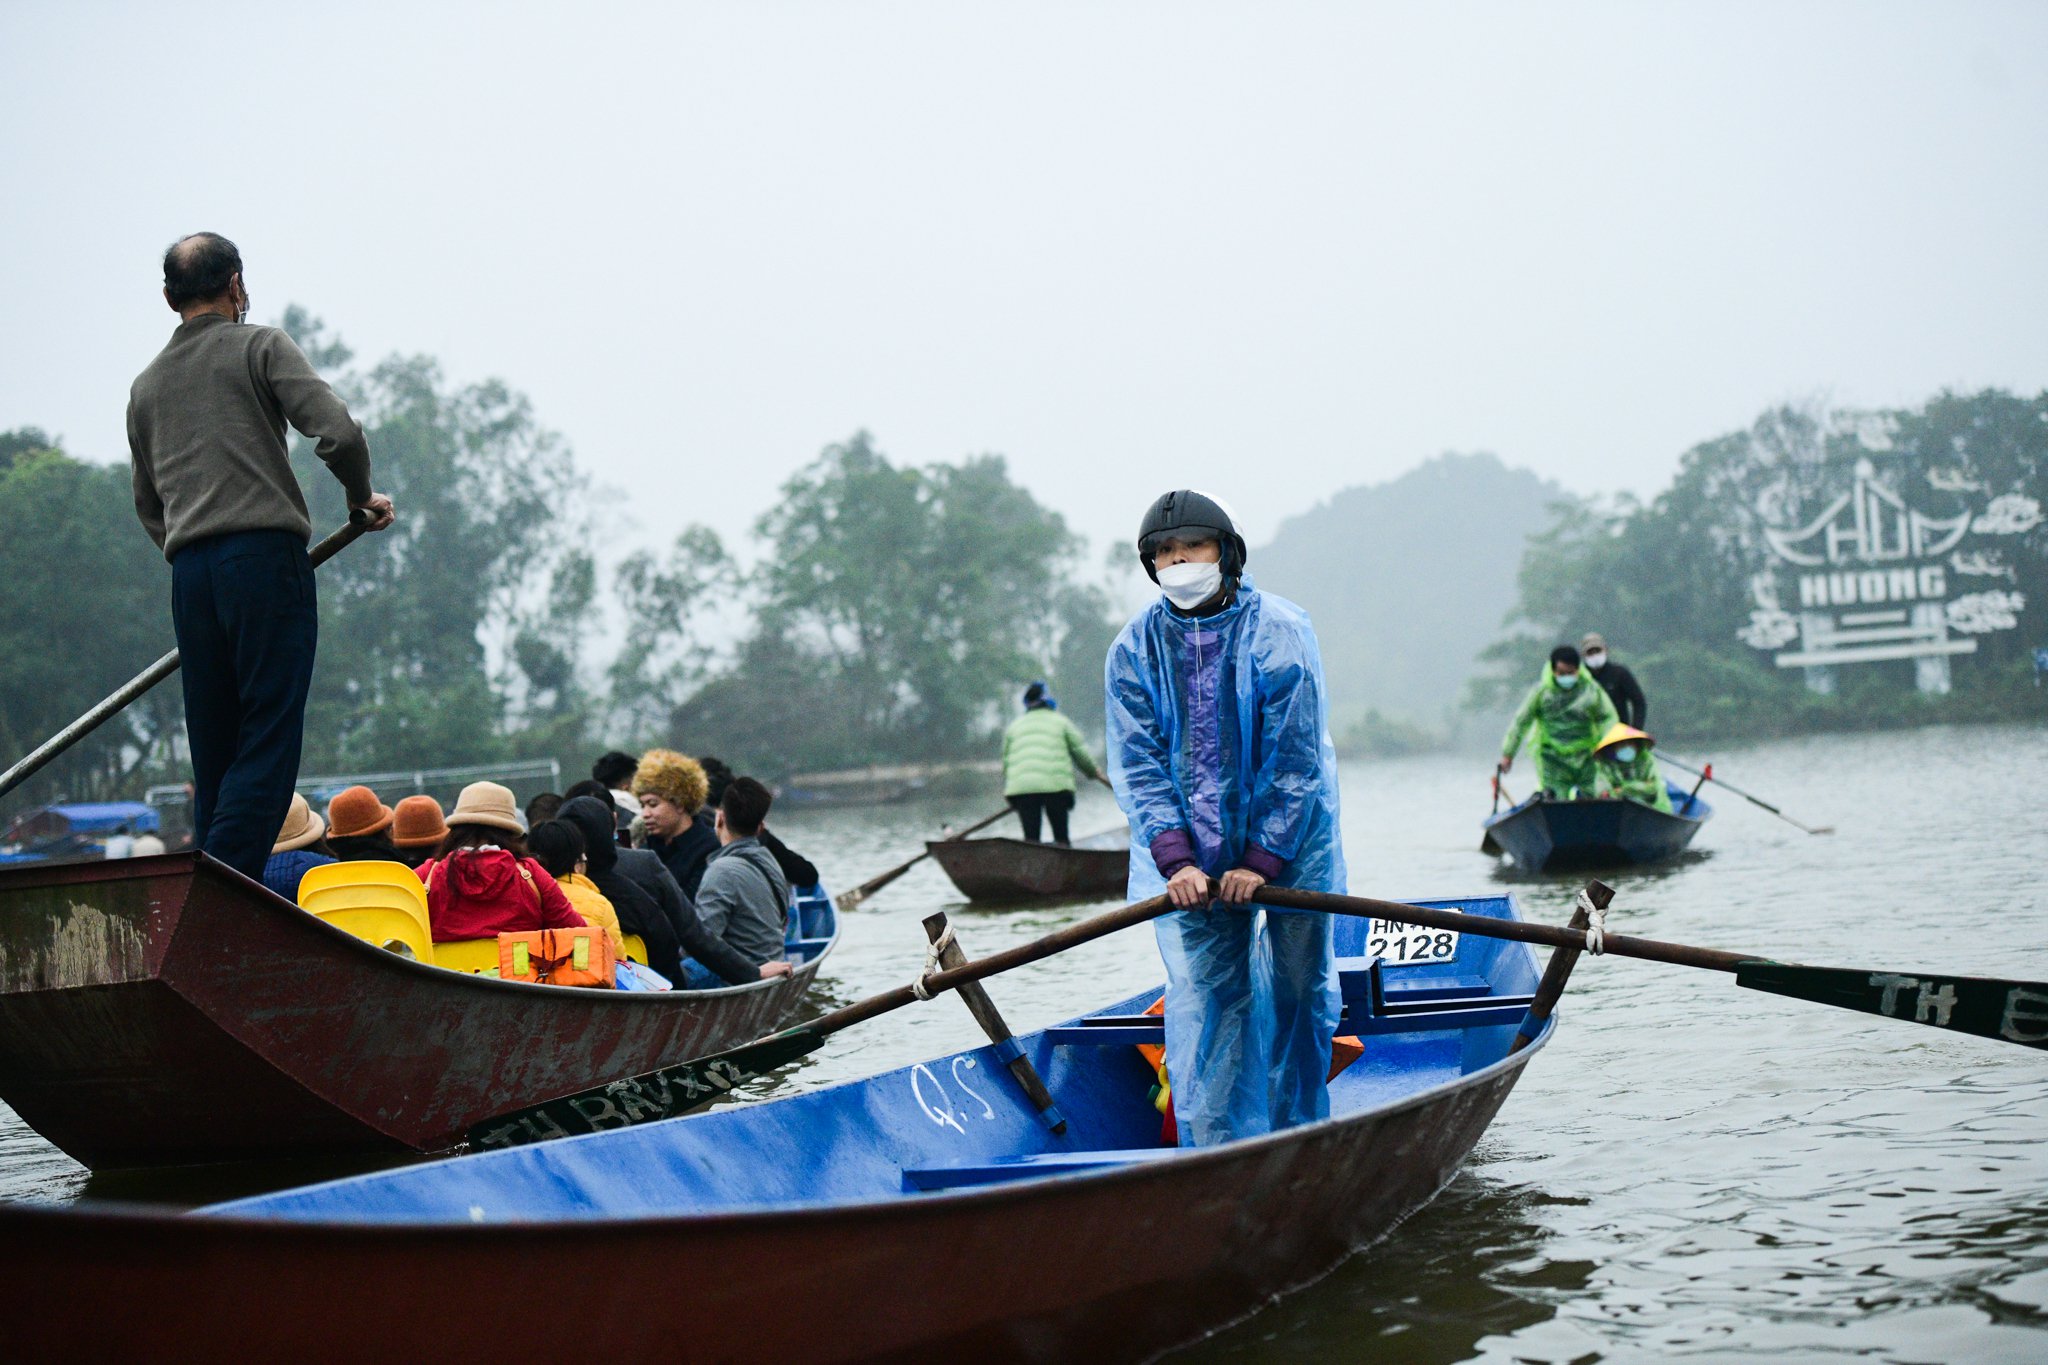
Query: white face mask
{"type": "Point", "coordinates": [1565, 679]}
{"type": "Point", "coordinates": [1625, 753]}
{"type": "Point", "coordinates": [1596, 660]}
{"type": "Point", "coordinates": [1187, 585]}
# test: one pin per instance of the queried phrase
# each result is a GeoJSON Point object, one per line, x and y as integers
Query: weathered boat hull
{"type": "Point", "coordinates": [1114, 1268]}
{"type": "Point", "coordinates": [787, 1230]}
{"type": "Point", "coordinates": [168, 1010]}
{"type": "Point", "coordinates": [1557, 836]}
{"type": "Point", "coordinates": [1016, 869]}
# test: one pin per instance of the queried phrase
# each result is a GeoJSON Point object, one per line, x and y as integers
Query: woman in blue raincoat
{"type": "Point", "coordinates": [1220, 753]}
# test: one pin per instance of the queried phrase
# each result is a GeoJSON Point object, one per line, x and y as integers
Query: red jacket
{"type": "Point", "coordinates": [484, 892]}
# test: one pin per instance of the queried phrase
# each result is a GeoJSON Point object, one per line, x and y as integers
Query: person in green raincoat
{"type": "Point", "coordinates": [1626, 768]}
{"type": "Point", "coordinates": [1569, 716]}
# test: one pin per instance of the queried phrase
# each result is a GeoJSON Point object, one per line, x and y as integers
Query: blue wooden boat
{"type": "Point", "coordinates": [1554, 836]}
{"type": "Point", "coordinates": [922, 1214]}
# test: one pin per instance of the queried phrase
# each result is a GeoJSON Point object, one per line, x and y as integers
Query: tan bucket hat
{"type": "Point", "coordinates": [487, 803]}
{"type": "Point", "coordinates": [302, 827]}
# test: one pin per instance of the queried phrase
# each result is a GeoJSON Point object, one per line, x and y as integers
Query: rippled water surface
{"type": "Point", "coordinates": [1690, 1169]}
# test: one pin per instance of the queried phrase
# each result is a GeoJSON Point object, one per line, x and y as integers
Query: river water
{"type": "Point", "coordinates": [1691, 1169]}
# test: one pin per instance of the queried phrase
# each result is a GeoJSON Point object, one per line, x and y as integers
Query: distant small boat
{"type": "Point", "coordinates": [1554, 836]}
{"type": "Point", "coordinates": [922, 1214]}
{"type": "Point", "coordinates": [169, 1010]}
{"type": "Point", "coordinates": [1017, 869]}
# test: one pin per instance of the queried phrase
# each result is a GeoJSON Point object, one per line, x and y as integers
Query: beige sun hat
{"type": "Point", "coordinates": [487, 803]}
{"type": "Point", "coordinates": [302, 827]}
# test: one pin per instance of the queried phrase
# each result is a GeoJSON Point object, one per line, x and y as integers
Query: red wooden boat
{"type": "Point", "coordinates": [167, 1010]}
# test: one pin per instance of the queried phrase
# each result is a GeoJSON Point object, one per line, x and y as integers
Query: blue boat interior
{"type": "Point", "coordinates": [813, 921]}
{"type": "Point", "coordinates": [956, 1122]}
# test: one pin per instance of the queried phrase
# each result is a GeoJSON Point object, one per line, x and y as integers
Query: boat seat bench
{"type": "Point", "coordinates": [968, 1171]}
{"type": "Point", "coordinates": [1373, 1004]}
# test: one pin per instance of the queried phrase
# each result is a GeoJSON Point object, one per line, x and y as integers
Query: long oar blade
{"type": "Point", "coordinates": [645, 1098]}
{"type": "Point", "coordinates": [2010, 1011]}
{"type": "Point", "coordinates": [1757, 801]}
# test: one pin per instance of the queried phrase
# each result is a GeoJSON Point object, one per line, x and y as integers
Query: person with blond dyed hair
{"type": "Point", "coordinates": [672, 788]}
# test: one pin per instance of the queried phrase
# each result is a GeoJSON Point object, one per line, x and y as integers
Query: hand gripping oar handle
{"type": "Point", "coordinates": [673, 1090]}
{"type": "Point", "coordinates": [1988, 1007]}
{"type": "Point", "coordinates": [852, 899]}
{"type": "Point", "coordinates": [121, 698]}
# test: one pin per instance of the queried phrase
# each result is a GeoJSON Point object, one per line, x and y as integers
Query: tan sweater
{"type": "Point", "coordinates": [206, 434]}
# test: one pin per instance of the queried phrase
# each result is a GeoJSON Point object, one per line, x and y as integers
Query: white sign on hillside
{"type": "Point", "coordinates": [1872, 578]}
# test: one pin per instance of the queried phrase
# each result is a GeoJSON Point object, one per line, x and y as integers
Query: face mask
{"type": "Point", "coordinates": [1625, 754]}
{"type": "Point", "coordinates": [1188, 585]}
{"type": "Point", "coordinates": [1565, 679]}
{"type": "Point", "coordinates": [1596, 660]}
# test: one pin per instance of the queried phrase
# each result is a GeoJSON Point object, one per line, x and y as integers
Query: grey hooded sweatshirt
{"type": "Point", "coordinates": [744, 899]}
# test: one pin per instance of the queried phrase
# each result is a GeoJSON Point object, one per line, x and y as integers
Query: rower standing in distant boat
{"type": "Point", "coordinates": [215, 490]}
{"type": "Point", "coordinates": [1620, 685]}
{"type": "Point", "coordinates": [1219, 747]}
{"type": "Point", "coordinates": [1041, 749]}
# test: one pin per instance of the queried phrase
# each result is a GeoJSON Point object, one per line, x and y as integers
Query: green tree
{"type": "Point", "coordinates": [88, 598]}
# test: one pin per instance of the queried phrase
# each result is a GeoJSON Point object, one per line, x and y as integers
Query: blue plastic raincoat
{"type": "Point", "coordinates": [1219, 747]}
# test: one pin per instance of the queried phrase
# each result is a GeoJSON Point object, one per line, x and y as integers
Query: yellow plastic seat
{"type": "Point", "coordinates": [381, 903]}
{"type": "Point", "coordinates": [468, 955]}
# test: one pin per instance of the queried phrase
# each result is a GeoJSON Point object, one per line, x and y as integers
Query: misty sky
{"type": "Point", "coordinates": [1267, 249]}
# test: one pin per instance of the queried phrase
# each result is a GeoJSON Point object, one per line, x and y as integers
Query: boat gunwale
{"type": "Point", "coordinates": [192, 865]}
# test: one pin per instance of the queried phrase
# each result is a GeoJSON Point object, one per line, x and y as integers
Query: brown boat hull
{"type": "Point", "coordinates": [168, 1010]}
{"type": "Point", "coordinates": [1015, 869]}
{"type": "Point", "coordinates": [1107, 1267]}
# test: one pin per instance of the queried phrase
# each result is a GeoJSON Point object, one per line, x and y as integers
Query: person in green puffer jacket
{"type": "Point", "coordinates": [1041, 749]}
{"type": "Point", "coordinates": [1569, 714]}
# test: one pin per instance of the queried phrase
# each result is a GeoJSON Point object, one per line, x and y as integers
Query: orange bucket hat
{"type": "Point", "coordinates": [355, 812]}
{"type": "Point", "coordinates": [417, 823]}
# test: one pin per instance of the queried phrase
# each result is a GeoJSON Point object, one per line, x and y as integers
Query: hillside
{"type": "Point", "coordinates": [1408, 580]}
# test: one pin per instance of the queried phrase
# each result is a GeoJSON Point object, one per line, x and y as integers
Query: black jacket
{"type": "Point", "coordinates": [1625, 692]}
{"type": "Point", "coordinates": [685, 855]}
{"type": "Point", "coordinates": [797, 870]}
{"type": "Point", "coordinates": [649, 902]}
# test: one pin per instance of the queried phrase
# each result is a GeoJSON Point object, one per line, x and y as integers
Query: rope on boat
{"type": "Point", "coordinates": [932, 952]}
{"type": "Point", "coordinates": [1596, 930]}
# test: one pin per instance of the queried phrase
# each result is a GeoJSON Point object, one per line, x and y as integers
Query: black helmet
{"type": "Point", "coordinates": [1185, 514]}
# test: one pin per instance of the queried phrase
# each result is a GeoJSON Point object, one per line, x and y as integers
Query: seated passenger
{"type": "Point", "coordinates": [482, 884]}
{"type": "Point", "coordinates": [300, 844]}
{"type": "Point", "coordinates": [417, 829]}
{"type": "Point", "coordinates": [672, 788]}
{"type": "Point", "coordinates": [359, 827]}
{"type": "Point", "coordinates": [1626, 768]}
{"type": "Point", "coordinates": [557, 845]}
{"type": "Point", "coordinates": [744, 898]}
{"type": "Point", "coordinates": [542, 809]}
{"type": "Point", "coordinates": [797, 870]}
{"type": "Point", "coordinates": [650, 903]}
{"type": "Point", "coordinates": [614, 772]}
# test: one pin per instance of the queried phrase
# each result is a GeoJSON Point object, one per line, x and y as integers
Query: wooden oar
{"type": "Point", "coordinates": [975, 996]}
{"type": "Point", "coordinates": [1988, 1007]}
{"type": "Point", "coordinates": [677, 1089]}
{"type": "Point", "coordinates": [121, 698]}
{"type": "Point", "coordinates": [1489, 845]}
{"type": "Point", "coordinates": [852, 899]}
{"type": "Point", "coordinates": [2010, 1011]}
{"type": "Point", "coordinates": [1708, 776]}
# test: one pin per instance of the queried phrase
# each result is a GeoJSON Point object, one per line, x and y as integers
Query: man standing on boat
{"type": "Point", "coordinates": [1220, 755]}
{"type": "Point", "coordinates": [1616, 680]}
{"type": "Point", "coordinates": [214, 489]}
{"type": "Point", "coordinates": [1569, 716]}
{"type": "Point", "coordinates": [1041, 749]}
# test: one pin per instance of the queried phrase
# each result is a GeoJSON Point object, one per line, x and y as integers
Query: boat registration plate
{"type": "Point", "coordinates": [1402, 944]}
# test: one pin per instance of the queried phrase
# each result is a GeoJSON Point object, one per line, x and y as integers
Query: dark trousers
{"type": "Point", "coordinates": [1052, 805]}
{"type": "Point", "coordinates": [247, 624]}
